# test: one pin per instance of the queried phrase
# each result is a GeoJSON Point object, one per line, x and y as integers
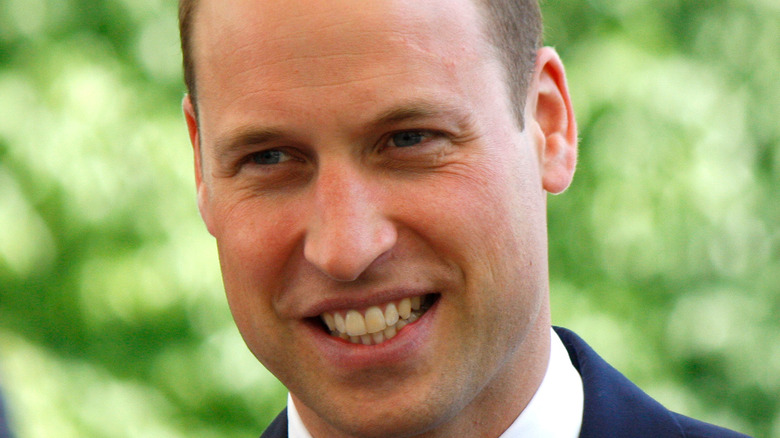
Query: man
{"type": "Point", "coordinates": [375, 174]}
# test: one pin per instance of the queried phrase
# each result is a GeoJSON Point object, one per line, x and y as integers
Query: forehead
{"type": "Point", "coordinates": [270, 19]}
{"type": "Point", "coordinates": [316, 68]}
{"type": "Point", "coordinates": [299, 36]}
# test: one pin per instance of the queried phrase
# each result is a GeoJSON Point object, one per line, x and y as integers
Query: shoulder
{"type": "Point", "coordinates": [615, 407]}
{"type": "Point", "coordinates": [693, 428]}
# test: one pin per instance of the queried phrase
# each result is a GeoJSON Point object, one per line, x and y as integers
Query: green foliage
{"type": "Point", "coordinates": [665, 253]}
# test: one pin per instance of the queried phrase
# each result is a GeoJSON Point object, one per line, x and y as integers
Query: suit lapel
{"type": "Point", "coordinates": [278, 427]}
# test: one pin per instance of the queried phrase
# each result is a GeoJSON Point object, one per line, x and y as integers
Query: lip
{"type": "Point", "coordinates": [404, 346]}
{"type": "Point", "coordinates": [366, 301]}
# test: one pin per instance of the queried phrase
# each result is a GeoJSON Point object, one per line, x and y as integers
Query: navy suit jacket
{"type": "Point", "coordinates": [5, 432]}
{"type": "Point", "coordinates": [614, 407]}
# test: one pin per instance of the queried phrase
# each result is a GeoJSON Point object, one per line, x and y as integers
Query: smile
{"type": "Point", "coordinates": [376, 324]}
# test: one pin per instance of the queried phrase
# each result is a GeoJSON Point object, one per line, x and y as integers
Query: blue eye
{"type": "Point", "coordinates": [270, 156]}
{"type": "Point", "coordinates": [408, 138]}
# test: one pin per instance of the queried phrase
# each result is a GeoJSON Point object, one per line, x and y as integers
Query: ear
{"type": "Point", "coordinates": [550, 107]}
{"type": "Point", "coordinates": [201, 187]}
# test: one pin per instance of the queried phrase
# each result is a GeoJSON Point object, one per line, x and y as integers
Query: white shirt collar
{"type": "Point", "coordinates": [295, 427]}
{"type": "Point", "coordinates": [555, 411]}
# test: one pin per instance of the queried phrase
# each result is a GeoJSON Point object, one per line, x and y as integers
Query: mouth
{"type": "Point", "coordinates": [376, 324]}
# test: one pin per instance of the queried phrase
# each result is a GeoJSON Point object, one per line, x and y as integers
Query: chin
{"type": "Point", "coordinates": [401, 413]}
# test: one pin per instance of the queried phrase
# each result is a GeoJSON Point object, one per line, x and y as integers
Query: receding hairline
{"type": "Point", "coordinates": [513, 29]}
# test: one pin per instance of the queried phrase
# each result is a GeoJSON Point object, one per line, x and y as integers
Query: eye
{"type": "Point", "coordinates": [409, 138]}
{"type": "Point", "coordinates": [270, 156]}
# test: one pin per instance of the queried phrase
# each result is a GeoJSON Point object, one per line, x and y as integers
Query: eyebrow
{"type": "Point", "coordinates": [421, 109]}
{"type": "Point", "coordinates": [402, 113]}
{"type": "Point", "coordinates": [235, 139]}
{"type": "Point", "coordinates": [245, 135]}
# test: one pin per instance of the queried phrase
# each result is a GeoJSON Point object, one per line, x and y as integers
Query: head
{"type": "Point", "coordinates": [357, 159]}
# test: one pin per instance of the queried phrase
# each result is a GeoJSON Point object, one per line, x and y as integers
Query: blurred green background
{"type": "Point", "coordinates": [665, 252]}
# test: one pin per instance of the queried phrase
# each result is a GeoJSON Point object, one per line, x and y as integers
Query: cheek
{"type": "Point", "coordinates": [254, 237]}
{"type": "Point", "coordinates": [249, 276]}
{"type": "Point", "coordinates": [488, 212]}
{"type": "Point", "coordinates": [254, 243]}
{"type": "Point", "coordinates": [489, 220]}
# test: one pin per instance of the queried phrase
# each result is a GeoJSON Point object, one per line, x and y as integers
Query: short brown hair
{"type": "Point", "coordinates": [514, 27]}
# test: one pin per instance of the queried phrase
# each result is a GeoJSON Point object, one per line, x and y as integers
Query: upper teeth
{"type": "Point", "coordinates": [375, 324]}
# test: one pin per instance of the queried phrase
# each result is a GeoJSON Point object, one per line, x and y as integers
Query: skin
{"type": "Point", "coordinates": [340, 217]}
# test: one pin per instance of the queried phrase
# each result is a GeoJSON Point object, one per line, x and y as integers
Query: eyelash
{"type": "Point", "coordinates": [253, 156]}
{"type": "Point", "coordinates": [426, 135]}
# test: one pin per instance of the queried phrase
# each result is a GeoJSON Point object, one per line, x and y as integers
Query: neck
{"type": "Point", "coordinates": [508, 394]}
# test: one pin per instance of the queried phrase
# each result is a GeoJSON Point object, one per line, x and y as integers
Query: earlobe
{"type": "Point", "coordinates": [194, 132]}
{"type": "Point", "coordinates": [554, 116]}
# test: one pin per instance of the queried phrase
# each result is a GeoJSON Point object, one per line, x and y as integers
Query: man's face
{"type": "Point", "coordinates": [352, 155]}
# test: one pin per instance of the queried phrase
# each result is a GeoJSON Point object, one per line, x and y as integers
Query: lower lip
{"type": "Point", "coordinates": [406, 344]}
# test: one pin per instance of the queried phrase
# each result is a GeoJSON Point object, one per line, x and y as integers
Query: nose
{"type": "Point", "coordinates": [347, 230]}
